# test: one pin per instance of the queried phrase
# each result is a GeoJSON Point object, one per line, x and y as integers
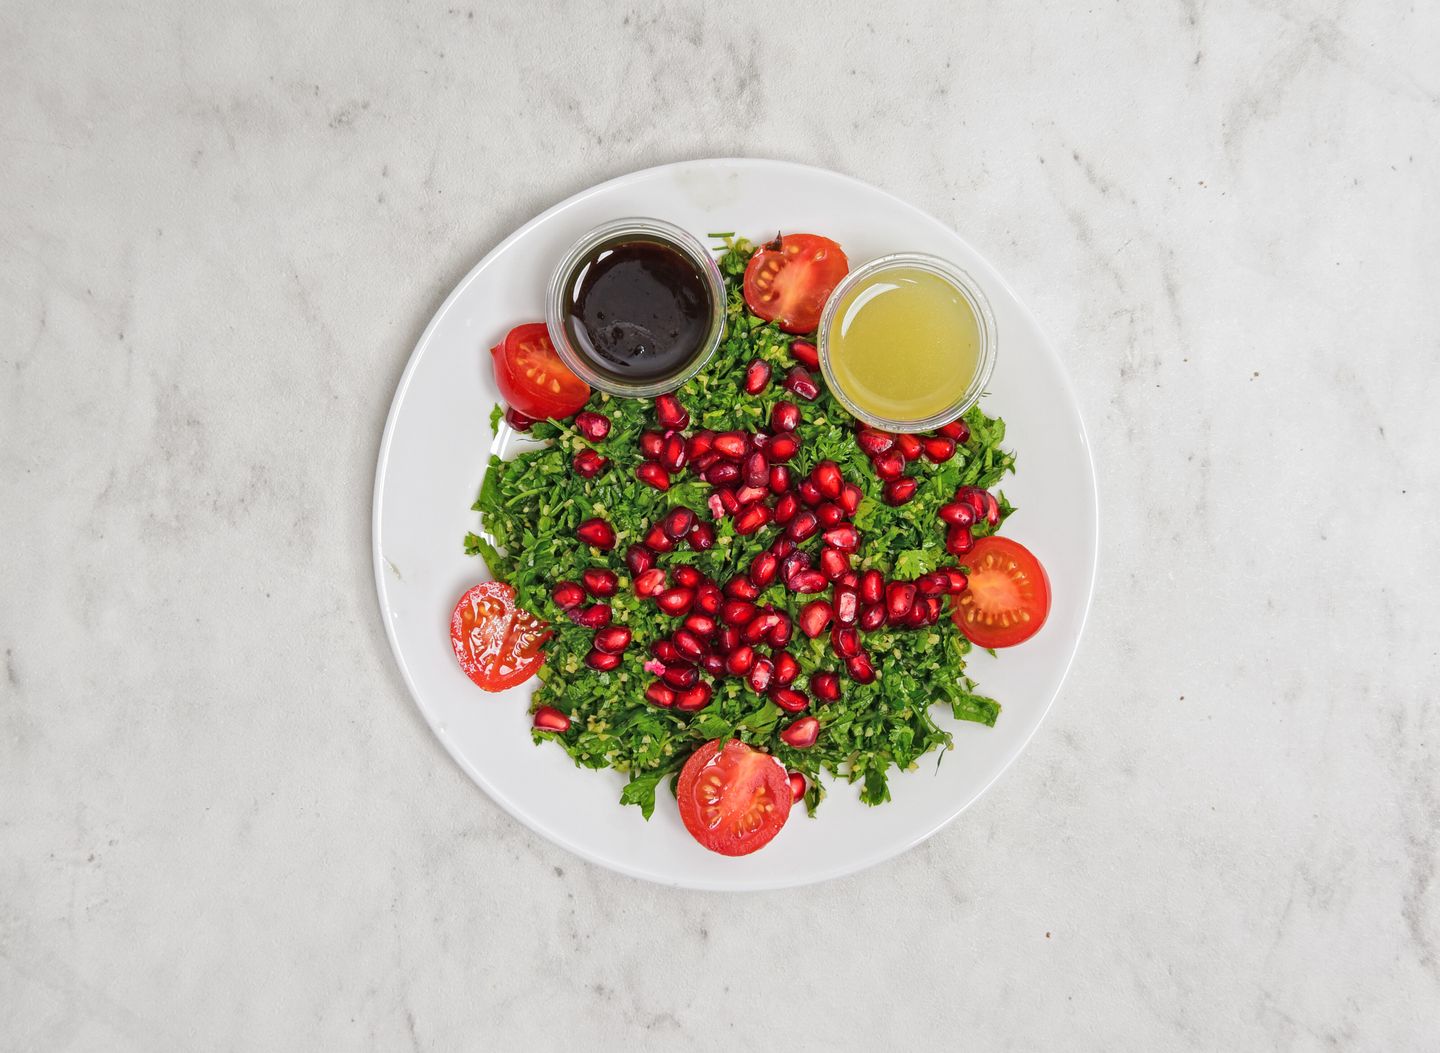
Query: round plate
{"type": "Point", "coordinates": [433, 455]}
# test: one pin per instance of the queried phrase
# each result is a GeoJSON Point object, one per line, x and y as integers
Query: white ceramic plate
{"type": "Point", "coordinates": [433, 455]}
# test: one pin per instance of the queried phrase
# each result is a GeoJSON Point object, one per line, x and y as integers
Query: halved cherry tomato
{"type": "Point", "coordinates": [497, 644]}
{"type": "Point", "coordinates": [789, 280]}
{"type": "Point", "coordinates": [1008, 597]}
{"type": "Point", "coordinates": [531, 377]}
{"type": "Point", "coordinates": [733, 802]}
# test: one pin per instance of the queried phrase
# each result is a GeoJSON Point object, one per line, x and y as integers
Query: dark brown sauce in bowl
{"type": "Point", "coordinates": [640, 307]}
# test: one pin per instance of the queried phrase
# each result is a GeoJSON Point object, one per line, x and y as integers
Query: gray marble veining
{"type": "Point", "coordinates": [222, 823]}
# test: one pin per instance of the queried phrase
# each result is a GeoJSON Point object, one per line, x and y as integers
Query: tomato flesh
{"type": "Point", "coordinates": [733, 801]}
{"type": "Point", "coordinates": [788, 281]}
{"type": "Point", "coordinates": [497, 644]}
{"type": "Point", "coordinates": [531, 377]}
{"type": "Point", "coordinates": [1008, 596]}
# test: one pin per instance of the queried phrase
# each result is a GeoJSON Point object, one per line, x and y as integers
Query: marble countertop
{"type": "Point", "coordinates": [223, 823]}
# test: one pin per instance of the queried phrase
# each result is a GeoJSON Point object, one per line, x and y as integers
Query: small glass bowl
{"type": "Point", "coordinates": [635, 228]}
{"type": "Point", "coordinates": [958, 279]}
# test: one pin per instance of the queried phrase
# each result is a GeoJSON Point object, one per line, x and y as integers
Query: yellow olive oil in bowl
{"type": "Point", "coordinates": [907, 342]}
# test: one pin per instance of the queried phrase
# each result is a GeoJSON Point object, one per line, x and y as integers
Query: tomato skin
{"type": "Point", "coordinates": [1007, 597]}
{"type": "Point", "coordinates": [497, 645]}
{"type": "Point", "coordinates": [788, 281]}
{"type": "Point", "coordinates": [748, 807]}
{"type": "Point", "coordinates": [531, 377]}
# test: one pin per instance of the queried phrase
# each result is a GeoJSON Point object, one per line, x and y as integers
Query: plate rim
{"type": "Point", "coordinates": [379, 563]}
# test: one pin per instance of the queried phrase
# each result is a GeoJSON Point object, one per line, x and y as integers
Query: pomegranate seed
{"type": "Point", "coordinates": [658, 540]}
{"type": "Point", "coordinates": [828, 479]}
{"type": "Point", "coordinates": [890, 465]}
{"type": "Point", "coordinates": [748, 495]}
{"type": "Point", "coordinates": [833, 563]}
{"type": "Point", "coordinates": [803, 526]}
{"type": "Point", "coordinates": [600, 582]}
{"type": "Point", "coordinates": [938, 448]}
{"type": "Point", "coordinates": [751, 519]}
{"type": "Point", "coordinates": [872, 617]}
{"type": "Point", "coordinates": [757, 376]}
{"type": "Point", "coordinates": [799, 381]}
{"type": "Point", "coordinates": [651, 444]}
{"type": "Point", "coordinates": [761, 675]}
{"type": "Point", "coordinates": [588, 464]}
{"type": "Point", "coordinates": [681, 676]}
{"type": "Point", "coordinates": [602, 661]}
{"type": "Point", "coordinates": [670, 413]}
{"type": "Point", "coordinates": [702, 625]}
{"type": "Point", "coordinates": [809, 492]}
{"type": "Point", "coordinates": [755, 471]}
{"type": "Point", "coordinates": [785, 508]}
{"type": "Point", "coordinates": [685, 574]}
{"type": "Point", "coordinates": [730, 444]}
{"type": "Point", "coordinates": [594, 616]}
{"type": "Point", "coordinates": [548, 718]}
{"type": "Point", "coordinates": [807, 581]}
{"type": "Point", "coordinates": [782, 448]}
{"type": "Point", "coordinates": [958, 582]}
{"type": "Point", "coordinates": [850, 498]}
{"type": "Point", "coordinates": [784, 417]}
{"type": "Point", "coordinates": [699, 445]}
{"type": "Point", "coordinates": [665, 651]}
{"type": "Point", "coordinates": [658, 694]}
{"type": "Point", "coordinates": [701, 537]}
{"type": "Point", "coordinates": [722, 473]}
{"type": "Point", "coordinates": [778, 479]}
{"type": "Point", "coordinates": [847, 605]}
{"type": "Point", "coordinates": [651, 474]}
{"type": "Point", "coordinates": [934, 607]}
{"type": "Point", "coordinates": [518, 420]}
{"type": "Point", "coordinates": [934, 584]}
{"type": "Point", "coordinates": [850, 579]}
{"type": "Point", "coordinates": [708, 599]}
{"type": "Point", "coordinates": [793, 563]}
{"type": "Point", "coordinates": [741, 588]}
{"type": "Point", "coordinates": [690, 646]}
{"type": "Point", "coordinates": [678, 522]}
{"type": "Point", "coordinates": [826, 686]}
{"type": "Point", "coordinates": [738, 612]}
{"type": "Point", "coordinates": [639, 559]}
{"type": "Point", "coordinates": [804, 352]}
{"type": "Point", "coordinates": [801, 734]}
{"type": "Point", "coordinates": [740, 661]}
{"type": "Point", "coordinates": [873, 441]}
{"type": "Point", "coordinates": [844, 537]}
{"type": "Point", "coordinates": [676, 602]}
{"type": "Point", "coordinates": [716, 506]}
{"type": "Point", "coordinates": [567, 594]}
{"type": "Point", "coordinates": [759, 629]}
{"type": "Point", "coordinates": [783, 547]}
{"type": "Point", "coordinates": [713, 664]}
{"type": "Point", "coordinates": [797, 786]}
{"type": "Point", "coordinates": [789, 699]}
{"type": "Point", "coordinates": [594, 426]}
{"type": "Point", "coordinates": [693, 699]}
{"type": "Point", "coordinates": [829, 514]}
{"type": "Point", "coordinates": [613, 639]}
{"type": "Point", "coordinates": [872, 587]}
{"type": "Point", "coordinates": [982, 502]}
{"type": "Point", "coordinates": [650, 582]}
{"type": "Point", "coordinates": [908, 445]}
{"type": "Point", "coordinates": [779, 636]}
{"type": "Point", "coordinates": [728, 638]}
{"type": "Point", "coordinates": [958, 540]}
{"type": "Point", "coordinates": [899, 598]}
{"type": "Point", "coordinates": [596, 532]}
{"type": "Point", "coordinates": [957, 430]}
{"type": "Point", "coordinates": [786, 668]}
{"type": "Point", "coordinates": [815, 618]}
{"type": "Point", "coordinates": [845, 641]}
{"type": "Point", "coordinates": [763, 569]}
{"type": "Point", "coordinates": [700, 465]}
{"type": "Point", "coordinates": [957, 514]}
{"type": "Point", "coordinates": [899, 491]}
{"type": "Point", "coordinates": [860, 668]}
{"type": "Point", "coordinates": [672, 455]}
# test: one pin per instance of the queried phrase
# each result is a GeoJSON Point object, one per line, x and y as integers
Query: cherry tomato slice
{"type": "Point", "coordinates": [1008, 597]}
{"type": "Point", "coordinates": [733, 802]}
{"type": "Point", "coordinates": [497, 644]}
{"type": "Point", "coordinates": [789, 280]}
{"type": "Point", "coordinates": [531, 377]}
